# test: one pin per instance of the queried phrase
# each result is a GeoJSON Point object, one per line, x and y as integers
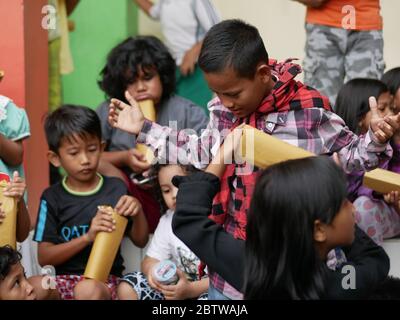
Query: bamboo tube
{"type": "Point", "coordinates": [8, 229]}
{"type": "Point", "coordinates": [382, 181]}
{"type": "Point", "coordinates": [263, 150]}
{"type": "Point", "coordinates": [149, 112]}
{"type": "Point", "coordinates": [105, 249]}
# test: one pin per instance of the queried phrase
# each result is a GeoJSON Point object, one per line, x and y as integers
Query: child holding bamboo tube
{"type": "Point", "coordinates": [143, 66]}
{"type": "Point", "coordinates": [14, 128]}
{"type": "Point", "coordinates": [70, 213]}
{"type": "Point", "coordinates": [258, 91]}
{"type": "Point", "coordinates": [377, 215]}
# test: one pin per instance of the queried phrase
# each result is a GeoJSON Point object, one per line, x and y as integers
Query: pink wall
{"type": "Point", "coordinates": [24, 58]}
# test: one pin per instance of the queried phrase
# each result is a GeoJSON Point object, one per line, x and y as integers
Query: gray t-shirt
{"type": "Point", "coordinates": [186, 114]}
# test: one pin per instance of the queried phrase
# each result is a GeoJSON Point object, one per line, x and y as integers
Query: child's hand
{"type": "Point", "coordinates": [227, 153]}
{"type": "Point", "coordinates": [383, 128]}
{"type": "Point", "coordinates": [2, 214]}
{"type": "Point", "coordinates": [179, 291]}
{"type": "Point", "coordinates": [103, 221]}
{"type": "Point", "coordinates": [16, 188]}
{"type": "Point", "coordinates": [128, 206]}
{"type": "Point", "coordinates": [189, 61]}
{"type": "Point", "coordinates": [126, 117]}
{"type": "Point", "coordinates": [136, 161]}
{"type": "Point", "coordinates": [393, 199]}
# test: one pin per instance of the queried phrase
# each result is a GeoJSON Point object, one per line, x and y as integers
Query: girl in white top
{"type": "Point", "coordinates": [165, 245]}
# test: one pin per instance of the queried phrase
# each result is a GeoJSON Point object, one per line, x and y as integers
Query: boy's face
{"type": "Point", "coordinates": [242, 96]}
{"type": "Point", "coordinates": [146, 86]}
{"type": "Point", "coordinates": [79, 157]}
{"type": "Point", "coordinates": [15, 286]}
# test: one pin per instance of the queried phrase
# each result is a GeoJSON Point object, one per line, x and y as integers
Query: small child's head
{"type": "Point", "coordinates": [352, 103]}
{"type": "Point", "coordinates": [166, 190]}
{"type": "Point", "coordinates": [392, 79]}
{"type": "Point", "coordinates": [235, 62]}
{"type": "Point", "coordinates": [13, 283]}
{"type": "Point", "coordinates": [74, 137]}
{"type": "Point", "coordinates": [143, 66]}
{"type": "Point", "coordinates": [298, 213]}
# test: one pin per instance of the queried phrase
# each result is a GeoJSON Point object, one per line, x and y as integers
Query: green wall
{"type": "Point", "coordinates": [99, 26]}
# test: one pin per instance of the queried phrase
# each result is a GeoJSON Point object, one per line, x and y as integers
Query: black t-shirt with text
{"type": "Point", "coordinates": [64, 216]}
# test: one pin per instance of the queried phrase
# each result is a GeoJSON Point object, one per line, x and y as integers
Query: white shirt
{"type": "Point", "coordinates": [184, 23]}
{"type": "Point", "coordinates": [166, 245]}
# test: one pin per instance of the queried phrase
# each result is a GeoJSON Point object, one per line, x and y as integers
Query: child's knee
{"type": "Point", "coordinates": [126, 292]}
{"type": "Point", "coordinates": [91, 290]}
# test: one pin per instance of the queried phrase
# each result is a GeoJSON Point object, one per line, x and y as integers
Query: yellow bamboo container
{"type": "Point", "coordinates": [263, 150]}
{"type": "Point", "coordinates": [149, 112]}
{"type": "Point", "coordinates": [105, 249]}
{"type": "Point", "coordinates": [8, 229]}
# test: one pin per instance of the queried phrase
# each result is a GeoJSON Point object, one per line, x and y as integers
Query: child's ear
{"type": "Point", "coordinates": [264, 72]}
{"type": "Point", "coordinates": [320, 231]}
{"type": "Point", "coordinates": [53, 158]}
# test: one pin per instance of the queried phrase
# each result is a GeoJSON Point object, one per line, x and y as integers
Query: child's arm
{"type": "Point", "coordinates": [56, 254]}
{"type": "Point", "coordinates": [208, 240]}
{"type": "Point", "coordinates": [145, 5]}
{"type": "Point", "coordinates": [171, 145]}
{"type": "Point", "coordinates": [130, 207]}
{"type": "Point", "coordinates": [226, 153]}
{"type": "Point", "coordinates": [184, 289]}
{"type": "Point", "coordinates": [16, 189]}
{"type": "Point", "coordinates": [312, 3]}
{"type": "Point", "coordinates": [11, 152]}
{"type": "Point", "coordinates": [147, 264]}
{"type": "Point", "coordinates": [132, 158]}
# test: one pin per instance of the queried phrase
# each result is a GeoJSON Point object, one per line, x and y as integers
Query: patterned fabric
{"type": "Point", "coordinates": [67, 283]}
{"type": "Point", "coordinates": [314, 129]}
{"type": "Point", "coordinates": [287, 95]}
{"type": "Point", "coordinates": [373, 215]}
{"type": "Point", "coordinates": [143, 290]}
{"type": "Point", "coordinates": [335, 56]}
{"type": "Point", "coordinates": [377, 219]}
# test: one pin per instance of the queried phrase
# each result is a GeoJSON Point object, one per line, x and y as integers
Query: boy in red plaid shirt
{"type": "Point", "coordinates": [252, 89]}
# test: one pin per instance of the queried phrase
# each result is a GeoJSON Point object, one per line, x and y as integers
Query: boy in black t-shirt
{"type": "Point", "coordinates": [69, 218]}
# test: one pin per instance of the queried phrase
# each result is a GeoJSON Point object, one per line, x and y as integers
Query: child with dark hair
{"type": "Point", "coordinates": [377, 214]}
{"type": "Point", "coordinates": [392, 79]}
{"type": "Point", "coordinates": [352, 103]}
{"type": "Point", "coordinates": [13, 283]}
{"type": "Point", "coordinates": [264, 94]}
{"type": "Point", "coordinates": [284, 255]}
{"type": "Point", "coordinates": [70, 213]}
{"type": "Point", "coordinates": [166, 246]}
{"type": "Point", "coordinates": [143, 67]}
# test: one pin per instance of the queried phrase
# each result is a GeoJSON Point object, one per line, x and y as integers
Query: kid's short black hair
{"type": "Point", "coordinates": [133, 54]}
{"type": "Point", "coordinates": [8, 258]}
{"type": "Point", "coordinates": [70, 120]}
{"type": "Point", "coordinates": [155, 169]}
{"type": "Point", "coordinates": [233, 43]}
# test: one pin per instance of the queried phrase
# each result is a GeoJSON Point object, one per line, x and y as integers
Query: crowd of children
{"type": "Point", "coordinates": [285, 232]}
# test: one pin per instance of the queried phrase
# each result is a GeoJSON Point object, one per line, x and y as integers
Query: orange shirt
{"type": "Point", "coordinates": [367, 14]}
